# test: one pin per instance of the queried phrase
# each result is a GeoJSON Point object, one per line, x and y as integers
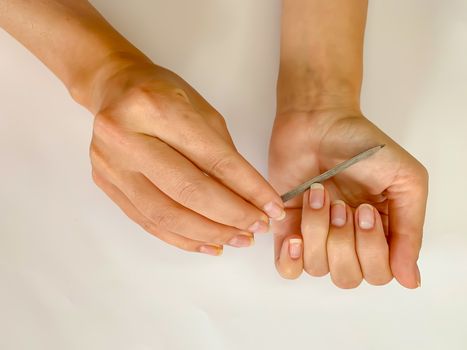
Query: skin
{"type": "Point", "coordinates": [319, 124]}
{"type": "Point", "coordinates": [159, 150]}
{"type": "Point", "coordinates": [164, 155]}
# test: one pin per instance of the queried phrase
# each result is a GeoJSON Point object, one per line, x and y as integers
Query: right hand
{"type": "Point", "coordinates": [165, 156]}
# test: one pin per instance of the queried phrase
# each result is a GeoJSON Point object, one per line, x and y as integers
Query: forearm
{"type": "Point", "coordinates": [321, 53]}
{"type": "Point", "coordinates": [72, 39]}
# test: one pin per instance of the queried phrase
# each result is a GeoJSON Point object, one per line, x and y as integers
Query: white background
{"type": "Point", "coordinates": [76, 274]}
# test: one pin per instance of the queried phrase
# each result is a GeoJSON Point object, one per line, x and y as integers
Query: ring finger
{"type": "Point", "coordinates": [372, 247]}
{"type": "Point", "coordinates": [171, 238]}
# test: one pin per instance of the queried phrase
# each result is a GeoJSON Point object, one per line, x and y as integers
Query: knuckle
{"type": "Point", "coordinates": [161, 104]}
{"type": "Point", "coordinates": [96, 178]}
{"type": "Point", "coordinates": [165, 220]}
{"type": "Point", "coordinates": [143, 98]}
{"type": "Point", "coordinates": [222, 165]}
{"type": "Point", "coordinates": [103, 123]}
{"type": "Point", "coordinates": [189, 191]}
{"type": "Point", "coordinates": [218, 122]}
{"type": "Point", "coordinates": [140, 95]}
{"type": "Point", "coordinates": [94, 153]}
{"type": "Point", "coordinates": [149, 226]}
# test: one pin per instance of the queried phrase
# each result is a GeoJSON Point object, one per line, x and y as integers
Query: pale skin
{"type": "Point", "coordinates": [164, 155]}
{"type": "Point", "coordinates": [367, 222]}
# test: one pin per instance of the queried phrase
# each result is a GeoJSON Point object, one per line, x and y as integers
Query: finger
{"type": "Point", "coordinates": [290, 262]}
{"type": "Point", "coordinates": [407, 205]}
{"type": "Point", "coordinates": [288, 245]}
{"type": "Point", "coordinates": [315, 228]}
{"type": "Point", "coordinates": [343, 260]}
{"type": "Point", "coordinates": [166, 214]}
{"type": "Point", "coordinates": [372, 246]}
{"type": "Point", "coordinates": [189, 186]}
{"type": "Point", "coordinates": [179, 179]}
{"type": "Point", "coordinates": [173, 239]}
{"type": "Point", "coordinates": [186, 131]}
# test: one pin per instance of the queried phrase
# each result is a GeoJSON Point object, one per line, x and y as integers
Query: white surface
{"type": "Point", "coordinates": [76, 274]}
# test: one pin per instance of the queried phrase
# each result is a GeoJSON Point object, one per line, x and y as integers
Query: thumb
{"type": "Point", "coordinates": [407, 205]}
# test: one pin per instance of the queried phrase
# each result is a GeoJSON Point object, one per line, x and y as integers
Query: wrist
{"type": "Point", "coordinates": [91, 87]}
{"type": "Point", "coordinates": [303, 88]}
{"type": "Point", "coordinates": [321, 54]}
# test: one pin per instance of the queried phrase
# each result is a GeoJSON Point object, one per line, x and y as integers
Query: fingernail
{"type": "Point", "coordinates": [211, 249]}
{"type": "Point", "coordinates": [338, 213]}
{"type": "Point", "coordinates": [295, 248]}
{"type": "Point", "coordinates": [366, 217]}
{"type": "Point", "coordinates": [316, 196]}
{"type": "Point", "coordinates": [274, 211]}
{"type": "Point", "coordinates": [241, 241]}
{"type": "Point", "coordinates": [259, 226]}
{"type": "Point", "coordinates": [419, 280]}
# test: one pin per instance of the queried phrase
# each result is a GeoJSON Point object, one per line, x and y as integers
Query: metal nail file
{"type": "Point", "coordinates": [330, 173]}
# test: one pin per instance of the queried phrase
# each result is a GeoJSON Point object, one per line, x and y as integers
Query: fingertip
{"type": "Point", "coordinates": [290, 262]}
{"type": "Point", "coordinates": [339, 213]}
{"type": "Point", "coordinates": [351, 283]}
{"type": "Point", "coordinates": [275, 211]}
{"type": "Point", "coordinates": [295, 248]}
{"type": "Point", "coordinates": [406, 277]}
{"type": "Point", "coordinates": [211, 249]}
{"type": "Point", "coordinates": [365, 217]}
{"type": "Point", "coordinates": [315, 196]}
{"type": "Point", "coordinates": [403, 261]}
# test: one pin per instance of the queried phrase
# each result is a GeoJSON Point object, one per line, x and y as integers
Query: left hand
{"type": "Point", "coordinates": [392, 182]}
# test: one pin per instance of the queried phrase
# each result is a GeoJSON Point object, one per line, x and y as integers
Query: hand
{"type": "Point", "coordinates": [164, 155]}
{"type": "Point", "coordinates": [391, 181]}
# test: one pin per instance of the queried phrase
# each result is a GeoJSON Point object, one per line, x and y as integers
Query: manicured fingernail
{"type": "Point", "coordinates": [338, 213]}
{"type": "Point", "coordinates": [259, 226]}
{"type": "Point", "coordinates": [316, 196]}
{"type": "Point", "coordinates": [211, 249]}
{"type": "Point", "coordinates": [241, 241]}
{"type": "Point", "coordinates": [274, 211]}
{"type": "Point", "coordinates": [295, 248]}
{"type": "Point", "coordinates": [366, 217]}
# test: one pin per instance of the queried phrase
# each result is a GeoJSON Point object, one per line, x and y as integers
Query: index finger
{"type": "Point", "coordinates": [188, 132]}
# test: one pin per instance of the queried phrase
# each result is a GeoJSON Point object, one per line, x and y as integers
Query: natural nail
{"type": "Point", "coordinates": [259, 226]}
{"type": "Point", "coordinates": [338, 213]}
{"type": "Point", "coordinates": [274, 211]}
{"type": "Point", "coordinates": [366, 217]}
{"type": "Point", "coordinates": [295, 248]}
{"type": "Point", "coordinates": [419, 280]}
{"type": "Point", "coordinates": [211, 249]}
{"type": "Point", "coordinates": [316, 196]}
{"type": "Point", "coordinates": [241, 241]}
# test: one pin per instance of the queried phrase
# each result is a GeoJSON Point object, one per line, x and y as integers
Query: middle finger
{"type": "Point", "coordinates": [343, 261]}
